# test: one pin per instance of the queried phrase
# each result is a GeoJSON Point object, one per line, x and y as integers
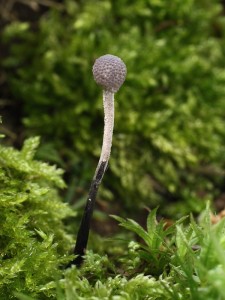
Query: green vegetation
{"type": "Point", "coordinates": [33, 240]}
{"type": "Point", "coordinates": [169, 128]}
{"type": "Point", "coordinates": [168, 150]}
{"type": "Point", "coordinates": [181, 262]}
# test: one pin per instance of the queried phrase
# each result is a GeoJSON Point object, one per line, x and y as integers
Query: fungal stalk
{"type": "Point", "coordinates": [109, 72]}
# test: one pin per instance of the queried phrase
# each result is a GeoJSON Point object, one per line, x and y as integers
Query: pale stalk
{"type": "Point", "coordinates": [83, 232]}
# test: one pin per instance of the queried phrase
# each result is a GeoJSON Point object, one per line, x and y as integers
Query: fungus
{"type": "Point", "coordinates": [109, 72]}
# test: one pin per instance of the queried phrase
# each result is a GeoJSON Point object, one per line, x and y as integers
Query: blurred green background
{"type": "Point", "coordinates": [169, 138]}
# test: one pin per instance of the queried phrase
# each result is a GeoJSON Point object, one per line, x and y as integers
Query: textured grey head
{"type": "Point", "coordinates": [110, 72]}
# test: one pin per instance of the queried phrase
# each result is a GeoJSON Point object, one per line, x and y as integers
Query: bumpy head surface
{"type": "Point", "coordinates": [110, 72]}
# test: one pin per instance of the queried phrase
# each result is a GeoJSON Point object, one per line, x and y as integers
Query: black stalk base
{"type": "Point", "coordinates": [83, 232]}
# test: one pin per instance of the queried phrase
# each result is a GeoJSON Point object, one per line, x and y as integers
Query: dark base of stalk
{"type": "Point", "coordinates": [76, 262]}
{"type": "Point", "coordinates": [83, 232]}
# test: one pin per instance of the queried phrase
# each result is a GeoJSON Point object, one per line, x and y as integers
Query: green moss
{"type": "Point", "coordinates": [33, 239]}
{"type": "Point", "coordinates": [194, 267]}
{"type": "Point", "coordinates": [169, 128]}
{"type": "Point", "coordinates": [183, 261]}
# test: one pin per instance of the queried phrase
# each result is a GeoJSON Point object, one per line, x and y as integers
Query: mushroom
{"type": "Point", "coordinates": [109, 72]}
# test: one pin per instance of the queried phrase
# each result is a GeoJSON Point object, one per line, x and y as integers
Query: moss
{"type": "Point", "coordinates": [33, 238]}
{"type": "Point", "coordinates": [169, 127]}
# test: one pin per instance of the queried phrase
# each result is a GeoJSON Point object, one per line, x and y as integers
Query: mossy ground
{"type": "Point", "coordinates": [168, 150]}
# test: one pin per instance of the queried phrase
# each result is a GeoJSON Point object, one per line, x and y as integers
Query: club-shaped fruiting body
{"type": "Point", "coordinates": [109, 72]}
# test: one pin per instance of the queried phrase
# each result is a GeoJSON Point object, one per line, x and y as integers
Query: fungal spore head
{"type": "Point", "coordinates": [109, 72]}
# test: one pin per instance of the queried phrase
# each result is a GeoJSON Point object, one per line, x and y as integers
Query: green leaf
{"type": "Point", "coordinates": [134, 227]}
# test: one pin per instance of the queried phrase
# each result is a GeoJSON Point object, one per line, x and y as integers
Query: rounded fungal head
{"type": "Point", "coordinates": [109, 72]}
